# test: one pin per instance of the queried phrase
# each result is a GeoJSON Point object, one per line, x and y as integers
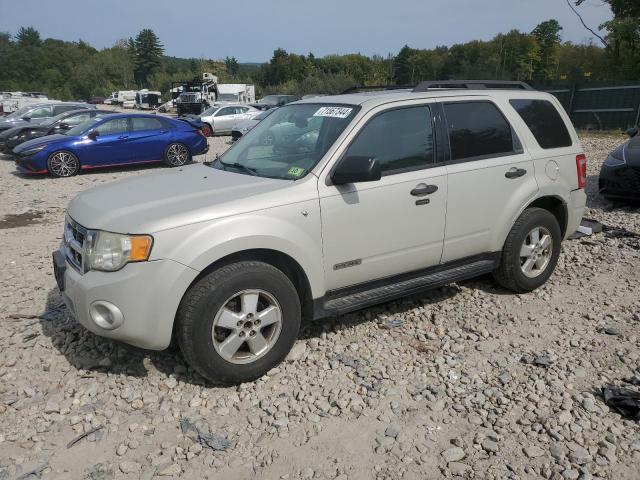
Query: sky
{"type": "Point", "coordinates": [251, 29]}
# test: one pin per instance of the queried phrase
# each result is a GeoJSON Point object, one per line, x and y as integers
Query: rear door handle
{"type": "Point", "coordinates": [421, 190]}
{"type": "Point", "coordinates": [515, 172]}
{"type": "Point", "coordinates": [122, 137]}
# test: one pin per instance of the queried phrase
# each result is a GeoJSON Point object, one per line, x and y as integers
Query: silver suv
{"type": "Point", "coordinates": [365, 198]}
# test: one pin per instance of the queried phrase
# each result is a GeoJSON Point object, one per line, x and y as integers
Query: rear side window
{"type": "Point", "coordinates": [401, 140]}
{"type": "Point", "coordinates": [478, 129]}
{"type": "Point", "coordinates": [143, 123]}
{"type": "Point", "coordinates": [544, 121]}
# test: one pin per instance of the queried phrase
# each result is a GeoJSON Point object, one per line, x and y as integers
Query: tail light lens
{"type": "Point", "coordinates": [581, 167]}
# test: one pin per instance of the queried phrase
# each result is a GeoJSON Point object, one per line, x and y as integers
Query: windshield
{"type": "Point", "coordinates": [229, 97]}
{"type": "Point", "coordinates": [289, 142]}
{"type": "Point", "coordinates": [52, 120]}
{"type": "Point", "coordinates": [270, 99]}
{"type": "Point", "coordinates": [265, 114]}
{"type": "Point", "coordinates": [82, 127]}
{"type": "Point", "coordinates": [20, 112]}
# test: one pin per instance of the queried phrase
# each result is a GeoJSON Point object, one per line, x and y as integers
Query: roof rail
{"type": "Point", "coordinates": [360, 87]}
{"type": "Point", "coordinates": [471, 84]}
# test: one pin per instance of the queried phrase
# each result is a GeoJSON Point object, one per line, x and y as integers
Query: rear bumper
{"type": "Point", "coordinates": [575, 210]}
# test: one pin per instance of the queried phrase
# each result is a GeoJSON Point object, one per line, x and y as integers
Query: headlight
{"type": "Point", "coordinates": [34, 149]}
{"type": "Point", "coordinates": [111, 251]}
{"type": "Point", "coordinates": [616, 158]}
{"type": "Point", "coordinates": [15, 137]}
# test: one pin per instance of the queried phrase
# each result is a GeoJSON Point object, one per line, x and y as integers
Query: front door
{"type": "Point", "coordinates": [395, 225]}
{"type": "Point", "coordinates": [224, 119]}
{"type": "Point", "coordinates": [110, 146]}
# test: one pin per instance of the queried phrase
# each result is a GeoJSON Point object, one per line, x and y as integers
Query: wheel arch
{"type": "Point", "coordinates": [556, 206]}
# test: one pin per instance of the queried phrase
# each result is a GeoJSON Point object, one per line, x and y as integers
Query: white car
{"type": "Point", "coordinates": [390, 194]}
{"type": "Point", "coordinates": [220, 118]}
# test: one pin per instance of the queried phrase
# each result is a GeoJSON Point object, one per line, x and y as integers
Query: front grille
{"type": "Point", "coordinates": [187, 98]}
{"type": "Point", "coordinates": [75, 237]}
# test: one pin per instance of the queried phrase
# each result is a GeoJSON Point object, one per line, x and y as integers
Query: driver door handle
{"type": "Point", "coordinates": [421, 190]}
{"type": "Point", "coordinates": [122, 137]}
{"type": "Point", "coordinates": [515, 172]}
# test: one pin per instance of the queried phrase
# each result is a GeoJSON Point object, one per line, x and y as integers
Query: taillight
{"type": "Point", "coordinates": [202, 133]}
{"type": "Point", "coordinates": [581, 167]}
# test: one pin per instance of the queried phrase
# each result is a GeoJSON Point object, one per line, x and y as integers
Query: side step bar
{"type": "Point", "coordinates": [347, 300]}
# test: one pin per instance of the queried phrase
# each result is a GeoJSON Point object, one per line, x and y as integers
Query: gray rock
{"type": "Point", "coordinates": [129, 467]}
{"type": "Point", "coordinates": [533, 451]}
{"type": "Point", "coordinates": [453, 454]}
{"type": "Point", "coordinates": [297, 352]}
{"type": "Point", "coordinates": [489, 445]}
{"type": "Point", "coordinates": [580, 456]}
{"type": "Point", "coordinates": [170, 471]}
{"type": "Point", "coordinates": [392, 430]}
{"type": "Point", "coordinates": [459, 469]}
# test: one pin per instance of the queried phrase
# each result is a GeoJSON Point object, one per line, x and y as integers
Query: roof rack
{"type": "Point", "coordinates": [471, 84]}
{"type": "Point", "coordinates": [360, 88]}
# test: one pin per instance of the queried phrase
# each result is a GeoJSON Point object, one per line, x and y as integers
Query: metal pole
{"type": "Point", "coordinates": [574, 87]}
{"type": "Point", "coordinates": [637, 116]}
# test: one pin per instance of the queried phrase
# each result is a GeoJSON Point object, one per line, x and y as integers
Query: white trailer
{"type": "Point", "coordinates": [236, 93]}
{"type": "Point", "coordinates": [147, 99]}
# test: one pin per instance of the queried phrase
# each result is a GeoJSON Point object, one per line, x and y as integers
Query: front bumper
{"type": "Point", "coordinates": [147, 294]}
{"type": "Point", "coordinates": [621, 181]}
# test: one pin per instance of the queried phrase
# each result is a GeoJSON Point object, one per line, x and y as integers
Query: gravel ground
{"type": "Point", "coordinates": [467, 380]}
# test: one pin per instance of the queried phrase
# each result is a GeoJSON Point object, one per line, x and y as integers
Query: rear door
{"type": "Point", "coordinates": [490, 177]}
{"type": "Point", "coordinates": [110, 147]}
{"type": "Point", "coordinates": [148, 138]}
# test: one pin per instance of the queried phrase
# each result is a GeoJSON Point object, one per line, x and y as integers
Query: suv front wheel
{"type": "Point", "coordinates": [238, 322]}
{"type": "Point", "coordinates": [530, 252]}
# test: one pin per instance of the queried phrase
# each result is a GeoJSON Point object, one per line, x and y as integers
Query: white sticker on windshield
{"type": "Point", "coordinates": [335, 112]}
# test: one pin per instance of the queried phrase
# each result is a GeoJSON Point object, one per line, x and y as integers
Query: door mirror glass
{"type": "Point", "coordinates": [356, 169]}
{"type": "Point", "coordinates": [93, 134]}
{"type": "Point", "coordinates": [62, 126]}
{"type": "Point", "coordinates": [632, 132]}
{"type": "Point", "coordinates": [26, 119]}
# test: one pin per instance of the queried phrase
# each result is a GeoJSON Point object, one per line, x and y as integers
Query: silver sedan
{"type": "Point", "coordinates": [220, 119]}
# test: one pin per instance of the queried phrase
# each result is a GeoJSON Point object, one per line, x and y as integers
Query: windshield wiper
{"type": "Point", "coordinates": [251, 171]}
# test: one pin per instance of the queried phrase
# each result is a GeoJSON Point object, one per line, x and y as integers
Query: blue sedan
{"type": "Point", "coordinates": [113, 140]}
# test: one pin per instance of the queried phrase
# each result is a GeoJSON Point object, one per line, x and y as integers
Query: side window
{"type": "Point", "coordinates": [41, 112]}
{"type": "Point", "coordinates": [142, 123]}
{"type": "Point", "coordinates": [225, 111]}
{"type": "Point", "coordinates": [478, 129]}
{"type": "Point", "coordinates": [401, 140]}
{"type": "Point", "coordinates": [58, 109]}
{"type": "Point", "coordinates": [544, 121]}
{"type": "Point", "coordinates": [112, 127]}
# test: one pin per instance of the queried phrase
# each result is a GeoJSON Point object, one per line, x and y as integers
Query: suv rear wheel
{"type": "Point", "coordinates": [238, 322]}
{"type": "Point", "coordinates": [530, 252]}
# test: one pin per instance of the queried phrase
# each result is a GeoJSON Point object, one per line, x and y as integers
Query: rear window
{"type": "Point", "coordinates": [544, 121]}
{"type": "Point", "coordinates": [478, 130]}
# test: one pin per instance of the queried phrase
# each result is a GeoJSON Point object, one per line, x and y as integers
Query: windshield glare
{"type": "Point", "coordinates": [19, 113]}
{"type": "Point", "coordinates": [82, 127]}
{"type": "Point", "coordinates": [289, 142]}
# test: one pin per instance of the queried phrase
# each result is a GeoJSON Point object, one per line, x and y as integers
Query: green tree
{"type": "Point", "coordinates": [232, 65]}
{"type": "Point", "coordinates": [28, 37]}
{"type": "Point", "coordinates": [148, 55]}
{"type": "Point", "coordinates": [547, 35]}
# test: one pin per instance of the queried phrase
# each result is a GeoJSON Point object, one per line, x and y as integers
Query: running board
{"type": "Point", "coordinates": [355, 298]}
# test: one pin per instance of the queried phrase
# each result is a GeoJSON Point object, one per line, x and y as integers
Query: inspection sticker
{"type": "Point", "coordinates": [335, 112]}
{"type": "Point", "coordinates": [296, 171]}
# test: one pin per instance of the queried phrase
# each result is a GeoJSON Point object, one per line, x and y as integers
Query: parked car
{"type": "Point", "coordinates": [243, 126]}
{"type": "Point", "coordinates": [403, 192]}
{"type": "Point", "coordinates": [220, 118]}
{"type": "Point", "coordinates": [620, 172]}
{"type": "Point", "coordinates": [116, 139]}
{"type": "Point", "coordinates": [37, 113]}
{"type": "Point", "coordinates": [9, 139]}
{"type": "Point", "coordinates": [96, 100]}
{"type": "Point", "coordinates": [270, 101]}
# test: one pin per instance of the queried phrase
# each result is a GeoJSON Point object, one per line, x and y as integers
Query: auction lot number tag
{"type": "Point", "coordinates": [335, 112]}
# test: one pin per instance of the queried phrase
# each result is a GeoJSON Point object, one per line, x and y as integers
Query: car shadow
{"type": "Point", "coordinates": [88, 353]}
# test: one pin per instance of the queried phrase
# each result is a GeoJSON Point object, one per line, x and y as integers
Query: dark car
{"type": "Point", "coordinates": [37, 113]}
{"type": "Point", "coordinates": [10, 139]}
{"type": "Point", "coordinates": [243, 126]}
{"type": "Point", "coordinates": [270, 101]}
{"type": "Point", "coordinates": [116, 139]}
{"type": "Point", "coordinates": [620, 172]}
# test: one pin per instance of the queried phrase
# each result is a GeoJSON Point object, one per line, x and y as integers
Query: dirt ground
{"type": "Point", "coordinates": [465, 381]}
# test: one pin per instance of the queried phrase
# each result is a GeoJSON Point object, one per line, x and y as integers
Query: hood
{"type": "Point", "coordinates": [6, 134]}
{"type": "Point", "coordinates": [172, 198]}
{"type": "Point", "coordinates": [36, 142]}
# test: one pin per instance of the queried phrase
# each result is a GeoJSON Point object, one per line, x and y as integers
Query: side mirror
{"type": "Point", "coordinates": [356, 169]}
{"type": "Point", "coordinates": [62, 126]}
{"type": "Point", "coordinates": [26, 119]}
{"type": "Point", "coordinates": [93, 134]}
{"type": "Point", "coordinates": [632, 132]}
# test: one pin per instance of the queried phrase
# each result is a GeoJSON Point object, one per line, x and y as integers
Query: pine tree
{"type": "Point", "coordinates": [148, 55]}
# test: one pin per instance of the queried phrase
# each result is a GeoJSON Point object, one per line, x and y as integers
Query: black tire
{"type": "Point", "coordinates": [177, 154]}
{"type": "Point", "coordinates": [62, 164]}
{"type": "Point", "coordinates": [509, 274]}
{"type": "Point", "coordinates": [201, 303]}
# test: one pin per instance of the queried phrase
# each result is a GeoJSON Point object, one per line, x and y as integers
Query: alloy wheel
{"type": "Point", "coordinates": [63, 164]}
{"type": "Point", "coordinates": [536, 252]}
{"type": "Point", "coordinates": [247, 326]}
{"type": "Point", "coordinates": [177, 154]}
